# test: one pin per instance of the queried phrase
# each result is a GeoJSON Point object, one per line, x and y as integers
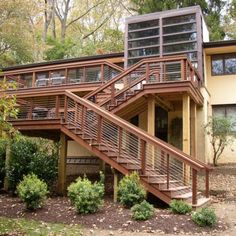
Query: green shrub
{"type": "Point", "coordinates": [2, 161]}
{"type": "Point", "coordinates": [204, 217]}
{"type": "Point", "coordinates": [32, 191]}
{"type": "Point", "coordinates": [130, 191]}
{"type": "Point", "coordinates": [87, 197]}
{"type": "Point", "coordinates": [142, 211]}
{"type": "Point", "coordinates": [180, 207]}
{"type": "Point", "coordinates": [36, 156]}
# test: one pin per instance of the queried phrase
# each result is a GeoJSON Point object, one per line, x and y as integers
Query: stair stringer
{"type": "Point", "coordinates": [114, 164]}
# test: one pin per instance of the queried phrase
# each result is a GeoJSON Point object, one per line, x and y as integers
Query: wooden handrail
{"type": "Point", "coordinates": [61, 67]}
{"type": "Point", "coordinates": [195, 164]}
{"type": "Point", "coordinates": [135, 66]}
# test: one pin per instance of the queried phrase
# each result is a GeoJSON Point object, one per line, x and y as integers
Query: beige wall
{"type": "Point", "coordinates": [74, 149]}
{"type": "Point", "coordinates": [223, 91]}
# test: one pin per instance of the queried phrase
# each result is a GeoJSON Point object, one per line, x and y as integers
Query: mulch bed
{"type": "Point", "coordinates": [112, 217]}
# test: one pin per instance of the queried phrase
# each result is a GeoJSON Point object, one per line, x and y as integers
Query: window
{"type": "Point", "coordinates": [144, 24]}
{"type": "Point", "coordinates": [224, 64]}
{"type": "Point", "coordinates": [179, 19]}
{"type": "Point", "coordinates": [228, 111]}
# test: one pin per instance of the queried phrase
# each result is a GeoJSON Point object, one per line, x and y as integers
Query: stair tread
{"type": "Point", "coordinates": [185, 195]}
{"type": "Point", "coordinates": [175, 188]}
{"type": "Point", "coordinates": [202, 202]}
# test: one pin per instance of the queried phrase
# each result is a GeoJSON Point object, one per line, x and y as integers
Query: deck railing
{"type": "Point", "coordinates": [151, 70]}
{"type": "Point", "coordinates": [84, 72]}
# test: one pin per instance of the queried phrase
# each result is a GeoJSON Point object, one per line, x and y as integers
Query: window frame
{"type": "Point", "coordinates": [225, 107]}
{"type": "Point", "coordinates": [223, 57]}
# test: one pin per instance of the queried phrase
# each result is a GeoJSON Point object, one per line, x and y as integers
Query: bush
{"type": "Point", "coordinates": [142, 211]}
{"type": "Point", "coordinates": [2, 161]}
{"type": "Point", "coordinates": [36, 156]}
{"type": "Point", "coordinates": [204, 217]}
{"type": "Point", "coordinates": [32, 191]}
{"type": "Point", "coordinates": [87, 197]}
{"type": "Point", "coordinates": [130, 191]}
{"type": "Point", "coordinates": [180, 207]}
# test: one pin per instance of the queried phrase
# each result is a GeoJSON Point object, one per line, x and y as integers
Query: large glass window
{"type": "Point", "coordinates": [143, 42]}
{"type": "Point", "coordinates": [180, 47]}
{"type": "Point", "coordinates": [179, 19]}
{"type": "Point", "coordinates": [224, 64]}
{"type": "Point", "coordinates": [144, 33]}
{"type": "Point", "coordinates": [180, 38]}
{"type": "Point", "coordinates": [179, 28]}
{"type": "Point", "coordinates": [144, 52]}
{"type": "Point", "coordinates": [144, 24]}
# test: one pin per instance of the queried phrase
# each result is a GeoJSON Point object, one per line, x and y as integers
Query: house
{"type": "Point", "coordinates": [142, 110]}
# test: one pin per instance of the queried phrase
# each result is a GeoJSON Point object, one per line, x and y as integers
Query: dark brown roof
{"type": "Point", "coordinates": [62, 61]}
{"type": "Point", "coordinates": [222, 43]}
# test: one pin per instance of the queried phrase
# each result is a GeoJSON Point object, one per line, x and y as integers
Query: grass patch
{"type": "Point", "coordinates": [35, 228]}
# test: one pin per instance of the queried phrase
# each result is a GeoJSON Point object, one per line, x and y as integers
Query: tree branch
{"type": "Point", "coordinates": [84, 14]}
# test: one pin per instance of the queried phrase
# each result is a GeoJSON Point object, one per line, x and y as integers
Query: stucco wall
{"type": "Point", "coordinates": [223, 91]}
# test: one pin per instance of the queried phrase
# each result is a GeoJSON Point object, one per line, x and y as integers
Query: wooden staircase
{"type": "Point", "coordinates": [165, 171]}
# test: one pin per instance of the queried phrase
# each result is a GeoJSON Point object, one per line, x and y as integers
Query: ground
{"type": "Point", "coordinates": [113, 219]}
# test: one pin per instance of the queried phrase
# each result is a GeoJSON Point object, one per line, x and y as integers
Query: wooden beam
{"type": "Point", "coordinates": [151, 115]}
{"type": "Point", "coordinates": [62, 165]}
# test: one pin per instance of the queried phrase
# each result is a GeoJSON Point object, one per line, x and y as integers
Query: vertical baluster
{"type": "Point", "coordinates": [167, 171]}
{"type": "Point", "coordinates": [82, 118]}
{"type": "Point", "coordinates": [66, 76]}
{"type": "Point", "coordinates": [194, 186]}
{"type": "Point", "coordinates": [66, 109]}
{"type": "Point", "coordinates": [30, 113]}
{"type": "Point", "coordinates": [102, 73]}
{"type": "Point", "coordinates": [112, 93]}
{"type": "Point", "coordinates": [207, 183]}
{"type": "Point", "coordinates": [57, 107]}
{"type": "Point", "coordinates": [147, 72]}
{"type": "Point", "coordinates": [162, 162]}
{"type": "Point", "coordinates": [143, 156]}
{"type": "Point", "coordinates": [34, 79]}
{"type": "Point", "coordinates": [183, 69]}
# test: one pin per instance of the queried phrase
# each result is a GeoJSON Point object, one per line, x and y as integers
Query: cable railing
{"type": "Point", "coordinates": [150, 156]}
{"type": "Point", "coordinates": [84, 72]}
{"type": "Point", "coordinates": [168, 69]}
{"type": "Point", "coordinates": [157, 162]}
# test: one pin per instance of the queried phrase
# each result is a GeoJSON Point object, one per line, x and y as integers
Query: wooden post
{"type": "Point", "coordinates": [207, 184]}
{"type": "Point", "coordinates": [193, 128]}
{"type": "Point", "coordinates": [34, 79]}
{"type": "Point", "coordinates": [151, 122]}
{"type": "Point", "coordinates": [194, 187]}
{"type": "Point", "coordinates": [186, 135]}
{"type": "Point", "coordinates": [62, 165]}
{"type": "Point", "coordinates": [57, 104]}
{"type": "Point", "coordinates": [115, 184]}
{"type": "Point", "coordinates": [167, 171]}
{"type": "Point", "coordinates": [143, 157]}
{"type": "Point", "coordinates": [102, 73]}
{"type": "Point", "coordinates": [113, 94]}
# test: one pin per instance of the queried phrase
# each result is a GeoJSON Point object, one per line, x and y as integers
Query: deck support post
{"type": "Point", "coordinates": [62, 165]}
{"type": "Point", "coordinates": [186, 135]}
{"type": "Point", "coordinates": [151, 120]}
{"type": "Point", "coordinates": [193, 128]}
{"type": "Point", "coordinates": [115, 184]}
